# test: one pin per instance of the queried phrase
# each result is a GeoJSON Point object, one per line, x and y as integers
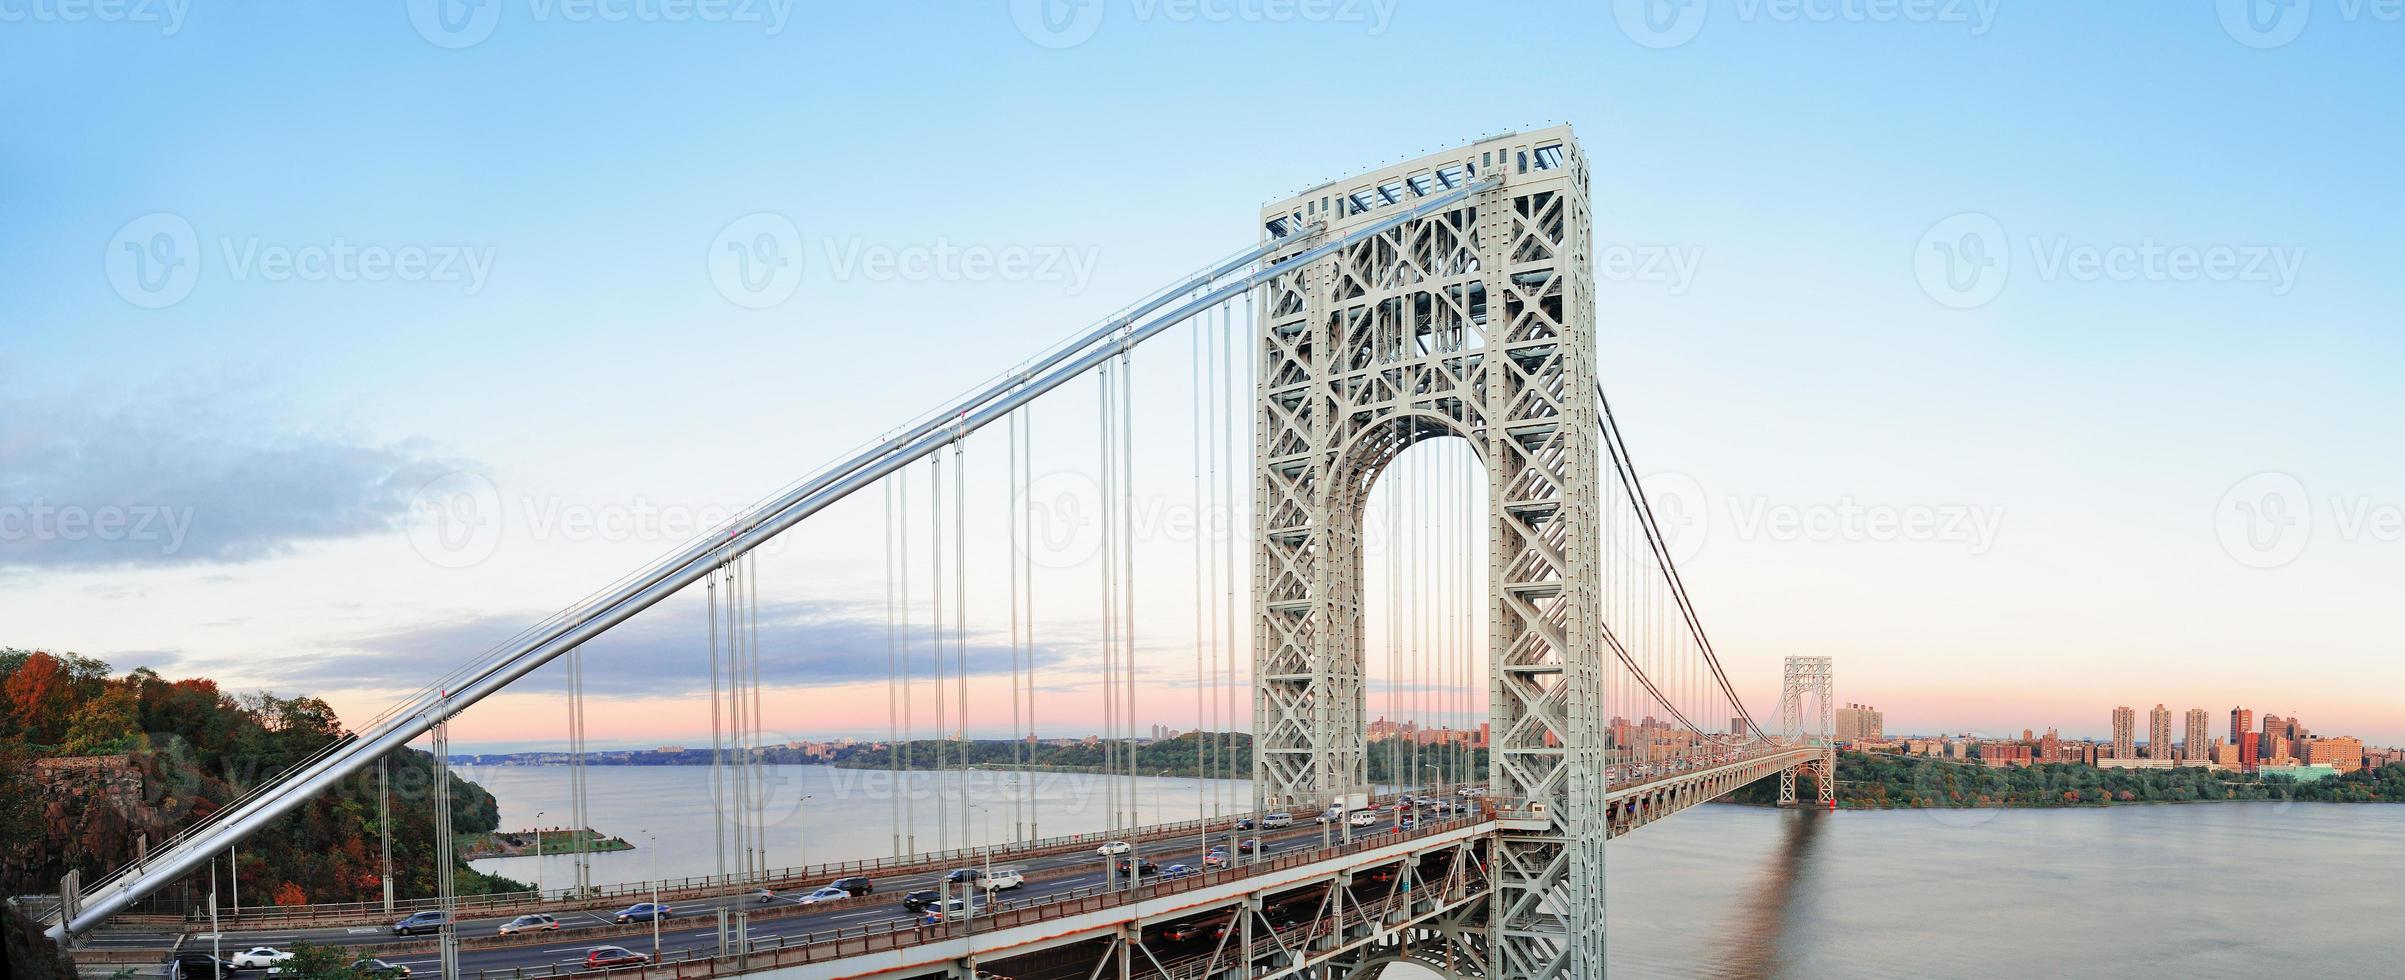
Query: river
{"type": "Point", "coordinates": [2203, 890]}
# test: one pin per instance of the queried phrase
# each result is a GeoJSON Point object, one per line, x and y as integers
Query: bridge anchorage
{"type": "Point", "coordinates": [1448, 298]}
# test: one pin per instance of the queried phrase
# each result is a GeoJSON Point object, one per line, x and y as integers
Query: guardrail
{"type": "Point", "coordinates": [685, 888]}
{"type": "Point", "coordinates": [820, 946]}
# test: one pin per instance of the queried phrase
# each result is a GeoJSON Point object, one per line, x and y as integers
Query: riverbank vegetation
{"type": "Point", "coordinates": [96, 767]}
{"type": "Point", "coordinates": [1880, 781]}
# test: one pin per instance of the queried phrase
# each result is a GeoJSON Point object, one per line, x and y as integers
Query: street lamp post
{"type": "Point", "coordinates": [654, 875]}
{"type": "Point", "coordinates": [538, 855]}
{"type": "Point", "coordinates": [801, 833]}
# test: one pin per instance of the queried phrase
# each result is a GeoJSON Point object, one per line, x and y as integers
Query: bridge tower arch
{"type": "Point", "coordinates": [1475, 320]}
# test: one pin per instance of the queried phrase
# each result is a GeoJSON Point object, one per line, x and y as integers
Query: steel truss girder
{"type": "Point", "coordinates": [1475, 322]}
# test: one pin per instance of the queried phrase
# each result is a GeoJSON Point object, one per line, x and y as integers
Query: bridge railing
{"type": "Point", "coordinates": [685, 887]}
{"type": "Point", "coordinates": [842, 943]}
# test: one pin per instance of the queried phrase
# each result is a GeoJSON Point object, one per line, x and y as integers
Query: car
{"type": "Point", "coordinates": [1190, 929]}
{"type": "Point", "coordinates": [950, 908]}
{"type": "Point", "coordinates": [1329, 815]}
{"type": "Point", "coordinates": [1003, 879]}
{"type": "Point", "coordinates": [1405, 822]}
{"type": "Point", "coordinates": [1275, 821]}
{"type": "Point", "coordinates": [962, 876]}
{"type": "Point", "coordinates": [197, 965]}
{"type": "Point", "coordinates": [643, 912]}
{"type": "Point", "coordinates": [857, 885]}
{"type": "Point", "coordinates": [1363, 818]}
{"type": "Point", "coordinates": [1135, 866]}
{"type": "Point", "coordinates": [1217, 858]}
{"type": "Point", "coordinates": [1245, 823]}
{"type": "Point", "coordinates": [918, 901]}
{"type": "Point", "coordinates": [608, 956]}
{"type": "Point", "coordinates": [827, 894]}
{"type": "Point", "coordinates": [1250, 845]}
{"type": "Point", "coordinates": [258, 958]}
{"type": "Point", "coordinates": [1110, 848]}
{"type": "Point", "coordinates": [1178, 871]}
{"type": "Point", "coordinates": [417, 922]}
{"type": "Point", "coordinates": [535, 922]}
{"type": "Point", "coordinates": [369, 966]}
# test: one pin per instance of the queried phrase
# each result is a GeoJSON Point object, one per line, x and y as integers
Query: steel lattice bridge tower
{"type": "Point", "coordinates": [1447, 297]}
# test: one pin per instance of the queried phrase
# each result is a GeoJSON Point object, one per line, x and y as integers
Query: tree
{"type": "Point", "coordinates": [39, 698]}
{"type": "Point", "coordinates": [311, 961]}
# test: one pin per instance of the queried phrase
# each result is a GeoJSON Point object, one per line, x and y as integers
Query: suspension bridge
{"type": "Point", "coordinates": [1445, 302]}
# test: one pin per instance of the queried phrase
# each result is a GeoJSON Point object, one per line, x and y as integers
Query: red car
{"type": "Point", "coordinates": [608, 956]}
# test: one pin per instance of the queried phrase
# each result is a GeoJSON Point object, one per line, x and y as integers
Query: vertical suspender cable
{"type": "Point", "coordinates": [1202, 800]}
{"type": "Point", "coordinates": [1110, 659]}
{"type": "Point", "coordinates": [893, 706]}
{"type": "Point", "coordinates": [906, 753]}
{"type": "Point", "coordinates": [718, 810]}
{"type": "Point", "coordinates": [1238, 394]}
{"type": "Point", "coordinates": [1013, 489]}
{"type": "Point", "coordinates": [1127, 544]}
{"type": "Point", "coordinates": [935, 635]}
{"type": "Point", "coordinates": [960, 622]}
{"type": "Point", "coordinates": [1027, 571]}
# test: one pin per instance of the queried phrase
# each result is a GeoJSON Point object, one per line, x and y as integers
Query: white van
{"type": "Point", "coordinates": [1277, 820]}
{"type": "Point", "coordinates": [1003, 879]}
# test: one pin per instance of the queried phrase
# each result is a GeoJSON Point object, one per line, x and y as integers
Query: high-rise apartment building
{"type": "Point", "coordinates": [2242, 735]}
{"type": "Point", "coordinates": [1861, 723]}
{"type": "Point", "coordinates": [2158, 733]}
{"type": "Point", "coordinates": [2125, 732]}
{"type": "Point", "coordinates": [2344, 753]}
{"type": "Point", "coordinates": [2199, 747]}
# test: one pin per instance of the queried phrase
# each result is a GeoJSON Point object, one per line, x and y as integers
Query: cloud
{"type": "Point", "coordinates": [662, 652]}
{"type": "Point", "coordinates": [189, 478]}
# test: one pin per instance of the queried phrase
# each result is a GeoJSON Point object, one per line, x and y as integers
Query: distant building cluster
{"type": "Point", "coordinates": [1861, 723]}
{"type": "Point", "coordinates": [1382, 729]}
{"type": "Point", "coordinates": [2281, 746]}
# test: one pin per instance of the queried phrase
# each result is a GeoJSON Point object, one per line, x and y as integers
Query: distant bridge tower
{"type": "Point", "coordinates": [1813, 676]}
{"type": "Point", "coordinates": [1476, 321]}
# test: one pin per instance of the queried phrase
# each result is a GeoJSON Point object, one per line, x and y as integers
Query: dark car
{"type": "Point", "coordinates": [201, 966]}
{"type": "Point", "coordinates": [1245, 823]}
{"type": "Point", "coordinates": [1179, 932]}
{"type": "Point", "coordinates": [1140, 867]}
{"type": "Point", "coordinates": [607, 956]}
{"type": "Point", "coordinates": [643, 912]}
{"type": "Point", "coordinates": [918, 901]}
{"type": "Point", "coordinates": [857, 885]}
{"type": "Point", "coordinates": [370, 966]}
{"type": "Point", "coordinates": [1179, 871]}
{"type": "Point", "coordinates": [417, 922]}
{"type": "Point", "coordinates": [962, 876]}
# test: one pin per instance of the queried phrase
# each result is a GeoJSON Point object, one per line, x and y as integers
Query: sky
{"type": "Point", "coordinates": [2028, 359]}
